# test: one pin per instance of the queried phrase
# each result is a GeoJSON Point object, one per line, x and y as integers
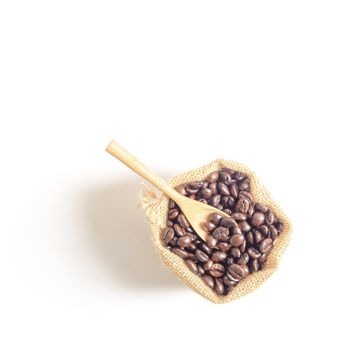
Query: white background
{"type": "Point", "coordinates": [179, 83]}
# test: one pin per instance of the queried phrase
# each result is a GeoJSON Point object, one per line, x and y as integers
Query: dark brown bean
{"type": "Point", "coordinates": [246, 195]}
{"type": "Point", "coordinates": [258, 218]}
{"type": "Point", "coordinates": [211, 242]}
{"type": "Point", "coordinates": [243, 259]}
{"type": "Point", "coordinates": [243, 246]}
{"type": "Point", "coordinates": [236, 271]}
{"type": "Point", "coordinates": [184, 241]}
{"type": "Point", "coordinates": [244, 185]}
{"type": "Point", "coordinates": [262, 258]}
{"type": "Point", "coordinates": [215, 218]}
{"type": "Point", "coordinates": [179, 230]}
{"type": "Point", "coordinates": [218, 256]}
{"type": "Point", "coordinates": [221, 233]}
{"type": "Point", "coordinates": [244, 226]}
{"type": "Point", "coordinates": [206, 193]}
{"type": "Point", "coordinates": [212, 177]}
{"type": "Point", "coordinates": [169, 223]}
{"type": "Point", "coordinates": [224, 246]}
{"type": "Point", "coordinates": [234, 190]}
{"type": "Point", "coordinates": [206, 249]}
{"type": "Point", "coordinates": [193, 187]}
{"type": "Point", "coordinates": [180, 252]}
{"type": "Point", "coordinates": [223, 189]}
{"type": "Point", "coordinates": [250, 238]}
{"type": "Point", "coordinates": [201, 271]}
{"type": "Point", "coordinates": [270, 218]}
{"type": "Point", "coordinates": [258, 237]}
{"type": "Point", "coordinates": [237, 240]}
{"type": "Point", "coordinates": [235, 252]}
{"type": "Point", "coordinates": [213, 188]}
{"type": "Point", "coordinates": [215, 200]}
{"type": "Point", "coordinates": [201, 256]}
{"type": "Point", "coordinates": [181, 219]}
{"type": "Point", "coordinates": [225, 177]}
{"type": "Point", "coordinates": [254, 265]}
{"type": "Point", "coordinates": [243, 205]}
{"type": "Point", "coordinates": [217, 270]}
{"type": "Point", "coordinates": [239, 176]}
{"type": "Point", "coordinates": [227, 211]}
{"type": "Point", "coordinates": [228, 222]}
{"type": "Point", "coordinates": [238, 216]}
{"type": "Point", "coordinates": [253, 253]}
{"type": "Point", "coordinates": [273, 232]}
{"type": "Point", "coordinates": [209, 226]}
{"type": "Point", "coordinates": [219, 287]}
{"type": "Point", "coordinates": [192, 265]}
{"type": "Point", "coordinates": [209, 281]}
{"type": "Point", "coordinates": [228, 282]}
{"type": "Point", "coordinates": [208, 265]}
{"type": "Point", "coordinates": [173, 213]}
{"type": "Point", "coordinates": [266, 245]}
{"type": "Point", "coordinates": [264, 230]}
{"type": "Point", "coordinates": [261, 207]}
{"type": "Point", "coordinates": [168, 234]}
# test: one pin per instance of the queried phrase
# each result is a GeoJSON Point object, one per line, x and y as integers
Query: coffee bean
{"type": "Point", "coordinates": [262, 258]}
{"type": "Point", "coordinates": [181, 189]}
{"type": "Point", "coordinates": [206, 193]}
{"type": "Point", "coordinates": [215, 200]}
{"type": "Point", "coordinates": [169, 223]}
{"type": "Point", "coordinates": [239, 176]}
{"type": "Point", "coordinates": [213, 188]}
{"type": "Point", "coordinates": [224, 201]}
{"type": "Point", "coordinates": [227, 211]}
{"type": "Point", "coordinates": [236, 271]}
{"type": "Point", "coordinates": [179, 230]}
{"type": "Point", "coordinates": [254, 253]}
{"type": "Point", "coordinates": [234, 190]}
{"type": "Point", "coordinates": [215, 218]}
{"type": "Point", "coordinates": [270, 218]}
{"type": "Point", "coordinates": [225, 177]}
{"type": "Point", "coordinates": [193, 187]}
{"type": "Point", "coordinates": [172, 204]}
{"type": "Point", "coordinates": [208, 265]}
{"type": "Point", "coordinates": [201, 271]}
{"type": "Point", "coordinates": [237, 240]}
{"type": "Point", "coordinates": [238, 216]}
{"type": "Point", "coordinates": [181, 219]}
{"type": "Point", "coordinates": [266, 245]}
{"type": "Point", "coordinates": [243, 259]}
{"type": "Point", "coordinates": [235, 252]}
{"type": "Point", "coordinates": [209, 281]}
{"type": "Point", "coordinates": [172, 214]}
{"type": "Point", "coordinates": [217, 270]}
{"type": "Point", "coordinates": [236, 230]}
{"type": "Point", "coordinates": [221, 233]}
{"type": "Point", "coordinates": [258, 218]}
{"type": "Point", "coordinates": [206, 249]}
{"type": "Point", "coordinates": [173, 242]}
{"type": "Point", "coordinates": [192, 265]}
{"type": "Point", "coordinates": [258, 237]}
{"type": "Point", "coordinates": [208, 226]}
{"type": "Point", "coordinates": [243, 205]}
{"type": "Point", "coordinates": [264, 230]}
{"type": "Point", "coordinates": [180, 252]}
{"type": "Point", "coordinates": [250, 238]}
{"type": "Point", "coordinates": [261, 207]}
{"type": "Point", "coordinates": [245, 268]}
{"type": "Point", "coordinates": [201, 256]}
{"type": "Point", "coordinates": [228, 222]}
{"type": "Point", "coordinates": [244, 226]}
{"type": "Point", "coordinates": [184, 241]}
{"type": "Point", "coordinates": [219, 287]}
{"type": "Point", "coordinates": [244, 185]}
{"type": "Point", "coordinates": [254, 265]}
{"type": "Point", "coordinates": [250, 211]}
{"type": "Point", "coordinates": [218, 256]}
{"type": "Point", "coordinates": [273, 232]}
{"type": "Point", "coordinates": [246, 195]}
{"type": "Point", "coordinates": [223, 189]}
{"type": "Point", "coordinates": [228, 282]}
{"type": "Point", "coordinates": [212, 177]}
{"type": "Point", "coordinates": [211, 242]}
{"type": "Point", "coordinates": [224, 246]}
{"type": "Point", "coordinates": [168, 234]}
{"type": "Point", "coordinates": [243, 246]}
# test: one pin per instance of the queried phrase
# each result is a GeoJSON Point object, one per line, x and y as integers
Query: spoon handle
{"type": "Point", "coordinates": [135, 165]}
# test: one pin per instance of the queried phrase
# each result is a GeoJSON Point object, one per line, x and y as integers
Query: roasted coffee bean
{"type": "Point", "coordinates": [181, 219]}
{"type": "Point", "coordinates": [173, 213]}
{"type": "Point", "coordinates": [254, 265]}
{"type": "Point", "coordinates": [179, 230]}
{"type": "Point", "coordinates": [168, 234]}
{"type": "Point", "coordinates": [217, 270]}
{"type": "Point", "coordinates": [201, 256]}
{"type": "Point", "coordinates": [211, 242]}
{"type": "Point", "coordinates": [236, 230]}
{"type": "Point", "coordinates": [237, 240]}
{"type": "Point", "coordinates": [219, 287]}
{"type": "Point", "coordinates": [243, 205]}
{"type": "Point", "coordinates": [224, 246]}
{"type": "Point", "coordinates": [206, 193]}
{"type": "Point", "coordinates": [169, 223]}
{"type": "Point", "coordinates": [192, 247]}
{"type": "Point", "coordinates": [215, 200]}
{"type": "Point", "coordinates": [261, 207]}
{"type": "Point", "coordinates": [231, 202]}
{"type": "Point", "coordinates": [239, 176]}
{"type": "Point", "coordinates": [221, 233]}
{"type": "Point", "coordinates": [266, 245]}
{"type": "Point", "coordinates": [181, 190]}
{"type": "Point", "coordinates": [243, 246]}
{"type": "Point", "coordinates": [238, 216]}
{"type": "Point", "coordinates": [258, 218]}
{"type": "Point", "coordinates": [244, 185]}
{"type": "Point", "coordinates": [212, 177]}
{"type": "Point", "coordinates": [213, 188]}
{"type": "Point", "coordinates": [192, 265]}
{"type": "Point", "coordinates": [209, 281]}
{"type": "Point", "coordinates": [250, 211]}
{"type": "Point", "coordinates": [264, 230]}
{"type": "Point", "coordinates": [209, 226]}
{"type": "Point", "coordinates": [224, 201]}
{"type": "Point", "coordinates": [193, 187]}
{"type": "Point", "coordinates": [250, 238]}
{"type": "Point", "coordinates": [273, 232]}
{"type": "Point", "coordinates": [279, 227]}
{"type": "Point", "coordinates": [206, 249]}
{"type": "Point", "coordinates": [180, 252]}
{"type": "Point", "coordinates": [228, 222]}
{"type": "Point", "coordinates": [258, 237]}
{"type": "Point", "coordinates": [172, 204]}
{"type": "Point", "coordinates": [229, 171]}
{"type": "Point", "coordinates": [246, 195]}
{"type": "Point", "coordinates": [192, 236]}
{"type": "Point", "coordinates": [235, 252]}
{"type": "Point", "coordinates": [244, 226]}
{"type": "Point", "coordinates": [253, 253]}
{"type": "Point", "coordinates": [229, 282]}
{"type": "Point", "coordinates": [227, 211]}
{"type": "Point", "coordinates": [236, 271]}
{"type": "Point", "coordinates": [246, 269]}
{"type": "Point", "coordinates": [234, 190]}
{"type": "Point", "coordinates": [218, 256]}
{"type": "Point", "coordinates": [262, 258]}
{"type": "Point", "coordinates": [173, 242]}
{"type": "Point", "coordinates": [192, 257]}
{"type": "Point", "coordinates": [184, 241]}
{"type": "Point", "coordinates": [270, 218]}
{"type": "Point", "coordinates": [208, 265]}
{"type": "Point", "coordinates": [243, 259]}
{"type": "Point", "coordinates": [201, 271]}
{"type": "Point", "coordinates": [225, 177]}
{"type": "Point", "coordinates": [223, 189]}
{"type": "Point", "coordinates": [215, 218]}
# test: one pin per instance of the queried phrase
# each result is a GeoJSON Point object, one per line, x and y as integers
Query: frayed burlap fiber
{"type": "Point", "coordinates": [156, 210]}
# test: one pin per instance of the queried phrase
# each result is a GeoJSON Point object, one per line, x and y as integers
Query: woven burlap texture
{"type": "Point", "coordinates": [156, 210]}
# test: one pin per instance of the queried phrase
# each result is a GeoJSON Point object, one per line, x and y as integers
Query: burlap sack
{"type": "Point", "coordinates": [156, 210]}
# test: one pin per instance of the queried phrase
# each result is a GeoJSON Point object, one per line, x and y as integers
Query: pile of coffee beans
{"type": "Point", "coordinates": [236, 246]}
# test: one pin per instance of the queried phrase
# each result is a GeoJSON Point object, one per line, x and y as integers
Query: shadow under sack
{"type": "Point", "coordinates": [121, 237]}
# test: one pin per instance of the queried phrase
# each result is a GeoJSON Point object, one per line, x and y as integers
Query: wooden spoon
{"type": "Point", "coordinates": [197, 213]}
